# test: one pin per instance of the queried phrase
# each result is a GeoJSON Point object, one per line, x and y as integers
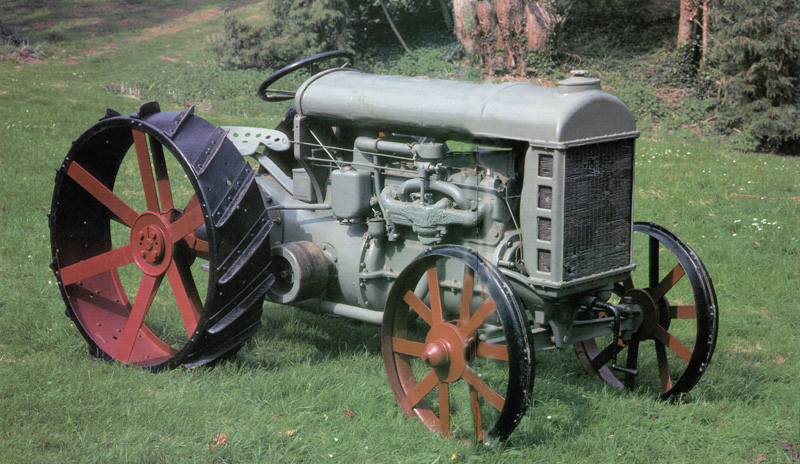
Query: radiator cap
{"type": "Point", "coordinates": [578, 82]}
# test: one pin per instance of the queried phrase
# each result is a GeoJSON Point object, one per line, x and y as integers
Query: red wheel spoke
{"type": "Point", "coordinates": [192, 203]}
{"type": "Point", "coordinates": [466, 292]}
{"type": "Point", "coordinates": [654, 248]}
{"type": "Point", "coordinates": [608, 353]}
{"type": "Point", "coordinates": [201, 249]}
{"type": "Point", "coordinates": [435, 294]}
{"type": "Point", "coordinates": [631, 362]}
{"type": "Point", "coordinates": [683, 312]}
{"type": "Point", "coordinates": [146, 171]}
{"type": "Point", "coordinates": [668, 282]}
{"type": "Point", "coordinates": [620, 288]}
{"type": "Point", "coordinates": [492, 351]}
{"type": "Point", "coordinates": [141, 305]}
{"type": "Point", "coordinates": [491, 396]}
{"type": "Point", "coordinates": [162, 177]}
{"type": "Point", "coordinates": [101, 193]}
{"type": "Point", "coordinates": [421, 389]}
{"type": "Point", "coordinates": [663, 367]}
{"type": "Point", "coordinates": [477, 319]}
{"type": "Point", "coordinates": [672, 343]}
{"type": "Point", "coordinates": [419, 307]}
{"type": "Point", "coordinates": [99, 264]}
{"type": "Point", "coordinates": [186, 296]}
{"type": "Point", "coordinates": [186, 224]}
{"type": "Point", "coordinates": [403, 346]}
{"type": "Point", "coordinates": [476, 413]}
{"type": "Point", "coordinates": [444, 408]}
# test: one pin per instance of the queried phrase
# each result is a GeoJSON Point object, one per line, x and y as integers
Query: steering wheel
{"type": "Point", "coordinates": [275, 95]}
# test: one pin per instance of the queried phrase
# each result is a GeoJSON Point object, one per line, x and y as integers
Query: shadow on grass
{"type": "Point", "coordinates": [289, 336]}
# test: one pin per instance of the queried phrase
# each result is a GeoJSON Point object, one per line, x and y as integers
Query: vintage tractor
{"type": "Point", "coordinates": [478, 223]}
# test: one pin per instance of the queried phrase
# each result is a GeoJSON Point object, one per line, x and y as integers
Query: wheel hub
{"type": "Point", "coordinates": [654, 313]}
{"type": "Point", "coordinates": [151, 243]}
{"type": "Point", "coordinates": [445, 352]}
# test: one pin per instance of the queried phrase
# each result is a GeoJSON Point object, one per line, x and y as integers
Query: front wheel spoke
{"type": "Point", "coordinates": [654, 248]}
{"type": "Point", "coordinates": [683, 312]}
{"type": "Point", "coordinates": [663, 367]}
{"type": "Point", "coordinates": [607, 354]}
{"type": "Point", "coordinates": [491, 396]}
{"type": "Point", "coordinates": [631, 362]}
{"type": "Point", "coordinates": [668, 282]}
{"type": "Point", "coordinates": [186, 297]}
{"type": "Point", "coordinates": [421, 389]}
{"type": "Point", "coordinates": [477, 319]}
{"type": "Point", "coordinates": [419, 307]}
{"type": "Point", "coordinates": [409, 347]}
{"type": "Point", "coordinates": [492, 351]}
{"type": "Point", "coordinates": [141, 305]}
{"type": "Point", "coordinates": [95, 265]}
{"type": "Point", "coordinates": [103, 194]}
{"type": "Point", "coordinates": [146, 171]}
{"type": "Point", "coordinates": [675, 345]}
{"type": "Point", "coordinates": [620, 288]}
{"type": "Point", "coordinates": [444, 408]}
{"type": "Point", "coordinates": [434, 291]}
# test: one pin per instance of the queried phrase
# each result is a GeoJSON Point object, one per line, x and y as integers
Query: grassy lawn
{"type": "Point", "coordinates": [309, 388]}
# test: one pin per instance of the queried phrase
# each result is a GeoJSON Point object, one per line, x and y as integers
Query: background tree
{"type": "Point", "coordinates": [503, 33]}
{"type": "Point", "coordinates": [756, 50]}
{"type": "Point", "coordinates": [689, 22]}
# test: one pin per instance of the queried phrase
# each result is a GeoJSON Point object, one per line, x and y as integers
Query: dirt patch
{"type": "Point", "coordinates": [672, 97]}
{"type": "Point", "coordinates": [188, 19]}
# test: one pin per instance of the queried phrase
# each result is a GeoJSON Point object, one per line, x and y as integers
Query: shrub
{"type": "Point", "coordinates": [294, 29]}
{"type": "Point", "coordinates": [757, 52]}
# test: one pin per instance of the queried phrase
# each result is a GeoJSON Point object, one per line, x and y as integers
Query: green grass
{"type": "Point", "coordinates": [285, 397]}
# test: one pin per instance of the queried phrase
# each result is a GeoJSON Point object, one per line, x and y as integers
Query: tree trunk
{"type": "Point", "coordinates": [466, 23]}
{"type": "Point", "coordinates": [540, 25]}
{"type": "Point", "coordinates": [687, 27]}
{"type": "Point", "coordinates": [503, 32]}
{"type": "Point", "coordinates": [706, 25]}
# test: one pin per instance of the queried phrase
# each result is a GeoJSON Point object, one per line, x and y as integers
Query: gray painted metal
{"type": "Point", "coordinates": [574, 113]}
{"type": "Point", "coordinates": [388, 198]}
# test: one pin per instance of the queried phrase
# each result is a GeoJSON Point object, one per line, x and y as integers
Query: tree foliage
{"type": "Point", "coordinates": [757, 53]}
{"type": "Point", "coordinates": [294, 29]}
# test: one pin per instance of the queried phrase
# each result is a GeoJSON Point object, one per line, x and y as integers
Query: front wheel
{"type": "Point", "coordinates": [673, 345]}
{"type": "Point", "coordinates": [458, 355]}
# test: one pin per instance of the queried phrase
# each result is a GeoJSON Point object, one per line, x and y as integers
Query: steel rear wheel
{"type": "Point", "coordinates": [458, 355]}
{"type": "Point", "coordinates": [674, 343]}
{"type": "Point", "coordinates": [141, 203]}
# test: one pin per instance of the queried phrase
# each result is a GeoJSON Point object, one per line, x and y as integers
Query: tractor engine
{"type": "Point", "coordinates": [540, 179]}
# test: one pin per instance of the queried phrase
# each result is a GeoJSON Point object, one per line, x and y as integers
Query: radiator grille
{"type": "Point", "coordinates": [598, 190]}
